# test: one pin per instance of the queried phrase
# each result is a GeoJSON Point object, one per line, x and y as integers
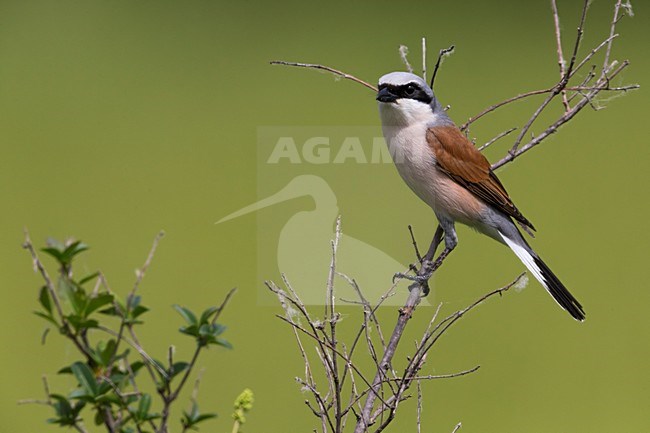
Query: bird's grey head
{"type": "Point", "coordinates": [404, 85]}
{"type": "Point", "coordinates": [405, 98]}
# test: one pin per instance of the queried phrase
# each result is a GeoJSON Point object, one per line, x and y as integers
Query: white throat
{"type": "Point", "coordinates": [405, 112]}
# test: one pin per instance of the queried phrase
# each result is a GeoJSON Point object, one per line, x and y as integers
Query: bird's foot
{"type": "Point", "coordinates": [417, 278]}
{"type": "Point", "coordinates": [420, 281]}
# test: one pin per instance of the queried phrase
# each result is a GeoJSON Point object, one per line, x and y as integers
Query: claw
{"type": "Point", "coordinates": [421, 279]}
{"type": "Point", "coordinates": [403, 276]}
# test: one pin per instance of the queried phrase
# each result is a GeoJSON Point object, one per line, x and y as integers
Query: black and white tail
{"type": "Point", "coordinates": [546, 277]}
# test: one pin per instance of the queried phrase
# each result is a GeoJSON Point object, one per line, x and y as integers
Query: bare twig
{"type": "Point", "coordinates": [403, 318]}
{"type": "Point", "coordinates": [139, 273]}
{"type": "Point", "coordinates": [559, 122]}
{"type": "Point", "coordinates": [415, 244]}
{"type": "Point", "coordinates": [439, 376]}
{"type": "Point", "coordinates": [328, 69]}
{"type": "Point", "coordinates": [612, 32]}
{"type": "Point", "coordinates": [499, 136]}
{"type": "Point", "coordinates": [403, 53]}
{"type": "Point", "coordinates": [139, 276]}
{"type": "Point", "coordinates": [419, 408]}
{"type": "Point", "coordinates": [424, 59]}
{"type": "Point", "coordinates": [195, 356]}
{"type": "Point", "coordinates": [441, 55]}
{"type": "Point", "coordinates": [65, 325]}
{"type": "Point", "coordinates": [561, 61]}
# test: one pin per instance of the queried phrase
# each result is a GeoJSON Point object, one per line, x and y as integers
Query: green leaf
{"type": "Point", "coordinates": [177, 368]}
{"type": "Point", "coordinates": [63, 254]}
{"type": "Point", "coordinates": [135, 310]}
{"type": "Point", "coordinates": [104, 352]}
{"type": "Point", "coordinates": [71, 251]}
{"type": "Point", "coordinates": [111, 311]}
{"type": "Point", "coordinates": [81, 395]}
{"type": "Point", "coordinates": [136, 366]}
{"type": "Point", "coordinates": [109, 399]}
{"type": "Point", "coordinates": [87, 278]}
{"type": "Point", "coordinates": [222, 342]}
{"type": "Point", "coordinates": [76, 296]}
{"type": "Point", "coordinates": [103, 388]}
{"type": "Point", "coordinates": [98, 302]}
{"type": "Point", "coordinates": [143, 406]}
{"type": "Point", "coordinates": [134, 301]}
{"type": "Point", "coordinates": [54, 252]}
{"type": "Point", "coordinates": [205, 316]}
{"type": "Point", "coordinates": [65, 370]}
{"type": "Point", "coordinates": [47, 317]}
{"type": "Point", "coordinates": [138, 310]}
{"type": "Point", "coordinates": [189, 317]}
{"type": "Point", "coordinates": [205, 330]}
{"type": "Point", "coordinates": [44, 299]}
{"type": "Point", "coordinates": [193, 417]}
{"type": "Point", "coordinates": [66, 412]}
{"type": "Point", "coordinates": [190, 330]}
{"type": "Point", "coordinates": [99, 417]}
{"type": "Point", "coordinates": [79, 323]}
{"type": "Point", "coordinates": [208, 334]}
{"type": "Point", "coordinates": [119, 379]}
{"type": "Point", "coordinates": [86, 378]}
{"type": "Point", "coordinates": [62, 406]}
{"type": "Point", "coordinates": [205, 416]}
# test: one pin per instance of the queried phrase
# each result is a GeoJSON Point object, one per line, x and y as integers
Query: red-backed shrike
{"type": "Point", "coordinates": [444, 169]}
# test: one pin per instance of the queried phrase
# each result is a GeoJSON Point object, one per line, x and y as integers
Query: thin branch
{"type": "Point", "coordinates": [404, 316]}
{"type": "Point", "coordinates": [139, 276]}
{"type": "Point", "coordinates": [415, 244]}
{"type": "Point", "coordinates": [316, 338]}
{"type": "Point", "coordinates": [195, 356]}
{"type": "Point", "coordinates": [499, 136]}
{"type": "Point", "coordinates": [592, 53]}
{"type": "Point", "coordinates": [403, 54]}
{"type": "Point", "coordinates": [136, 345]}
{"type": "Point", "coordinates": [139, 273]}
{"type": "Point", "coordinates": [560, 87]}
{"type": "Point", "coordinates": [65, 325]}
{"type": "Point", "coordinates": [511, 156]}
{"type": "Point", "coordinates": [561, 61]}
{"type": "Point", "coordinates": [441, 55]}
{"type": "Point", "coordinates": [493, 107]}
{"type": "Point", "coordinates": [612, 32]}
{"type": "Point", "coordinates": [576, 45]}
{"type": "Point", "coordinates": [328, 69]}
{"type": "Point", "coordinates": [419, 408]}
{"type": "Point", "coordinates": [441, 376]}
{"type": "Point", "coordinates": [323, 414]}
{"type": "Point", "coordinates": [424, 59]}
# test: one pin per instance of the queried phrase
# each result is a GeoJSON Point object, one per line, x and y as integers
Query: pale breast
{"type": "Point", "coordinates": [416, 164]}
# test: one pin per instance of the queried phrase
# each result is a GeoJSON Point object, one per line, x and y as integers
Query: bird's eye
{"type": "Point", "coordinates": [409, 90]}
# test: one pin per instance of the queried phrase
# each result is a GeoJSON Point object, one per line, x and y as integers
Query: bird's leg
{"type": "Point", "coordinates": [437, 237]}
{"type": "Point", "coordinates": [429, 266]}
{"type": "Point", "coordinates": [424, 274]}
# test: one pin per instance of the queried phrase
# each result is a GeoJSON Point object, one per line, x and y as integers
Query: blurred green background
{"type": "Point", "coordinates": [121, 118]}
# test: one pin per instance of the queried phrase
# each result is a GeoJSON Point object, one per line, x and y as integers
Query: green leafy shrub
{"type": "Point", "coordinates": [113, 365]}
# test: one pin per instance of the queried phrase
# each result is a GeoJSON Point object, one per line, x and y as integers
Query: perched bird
{"type": "Point", "coordinates": [444, 169]}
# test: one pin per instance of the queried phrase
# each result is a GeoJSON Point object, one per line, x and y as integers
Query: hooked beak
{"type": "Point", "coordinates": [385, 95]}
